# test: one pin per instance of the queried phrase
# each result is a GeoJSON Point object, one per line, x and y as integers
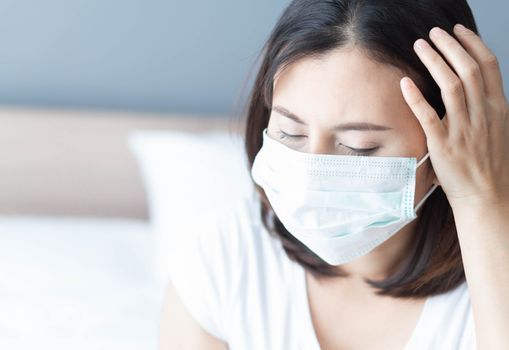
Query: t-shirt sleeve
{"type": "Point", "coordinates": [198, 269]}
{"type": "Point", "coordinates": [468, 341]}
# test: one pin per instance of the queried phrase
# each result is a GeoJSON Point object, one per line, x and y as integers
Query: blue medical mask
{"type": "Point", "coordinates": [340, 207]}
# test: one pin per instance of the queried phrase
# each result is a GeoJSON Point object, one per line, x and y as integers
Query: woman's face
{"type": "Point", "coordinates": [344, 103]}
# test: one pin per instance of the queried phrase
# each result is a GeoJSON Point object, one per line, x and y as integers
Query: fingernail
{"type": "Point", "coordinates": [461, 28]}
{"type": "Point", "coordinates": [421, 44]}
{"type": "Point", "coordinates": [406, 84]}
{"type": "Point", "coordinates": [437, 32]}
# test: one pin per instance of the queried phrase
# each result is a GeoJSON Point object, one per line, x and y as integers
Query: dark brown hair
{"type": "Point", "coordinates": [385, 31]}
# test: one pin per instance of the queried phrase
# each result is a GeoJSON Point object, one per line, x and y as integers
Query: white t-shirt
{"type": "Point", "coordinates": [238, 283]}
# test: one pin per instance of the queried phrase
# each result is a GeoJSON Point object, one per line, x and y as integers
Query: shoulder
{"type": "Point", "coordinates": [227, 234]}
{"type": "Point", "coordinates": [452, 314]}
{"type": "Point", "coordinates": [217, 257]}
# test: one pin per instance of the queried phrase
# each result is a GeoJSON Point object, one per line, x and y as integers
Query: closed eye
{"type": "Point", "coordinates": [360, 151]}
{"type": "Point", "coordinates": [351, 150]}
{"type": "Point", "coordinates": [283, 135]}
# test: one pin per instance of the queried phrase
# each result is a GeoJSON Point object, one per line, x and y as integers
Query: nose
{"type": "Point", "coordinates": [320, 146]}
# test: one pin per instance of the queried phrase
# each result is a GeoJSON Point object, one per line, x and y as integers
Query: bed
{"type": "Point", "coordinates": [84, 219]}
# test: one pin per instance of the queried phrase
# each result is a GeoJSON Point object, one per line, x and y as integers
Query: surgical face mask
{"type": "Point", "coordinates": [340, 207]}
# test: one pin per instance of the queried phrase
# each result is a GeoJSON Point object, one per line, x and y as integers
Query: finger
{"type": "Point", "coordinates": [427, 116]}
{"type": "Point", "coordinates": [466, 68]}
{"type": "Point", "coordinates": [450, 84]}
{"type": "Point", "coordinates": [488, 62]}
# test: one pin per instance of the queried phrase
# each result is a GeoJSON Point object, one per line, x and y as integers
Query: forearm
{"type": "Point", "coordinates": [483, 232]}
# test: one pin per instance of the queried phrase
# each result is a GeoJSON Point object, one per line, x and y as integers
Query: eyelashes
{"type": "Point", "coordinates": [350, 150]}
{"type": "Point", "coordinates": [283, 135]}
{"type": "Point", "coordinates": [360, 151]}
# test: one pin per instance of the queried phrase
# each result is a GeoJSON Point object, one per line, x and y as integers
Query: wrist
{"type": "Point", "coordinates": [472, 208]}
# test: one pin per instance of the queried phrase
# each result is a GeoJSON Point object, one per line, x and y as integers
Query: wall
{"type": "Point", "coordinates": [179, 56]}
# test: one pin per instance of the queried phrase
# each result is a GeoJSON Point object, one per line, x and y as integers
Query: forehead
{"type": "Point", "coordinates": [343, 82]}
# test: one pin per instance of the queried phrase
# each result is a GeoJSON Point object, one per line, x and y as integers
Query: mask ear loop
{"type": "Point", "coordinates": [422, 160]}
{"type": "Point", "coordinates": [421, 202]}
{"type": "Point", "coordinates": [433, 188]}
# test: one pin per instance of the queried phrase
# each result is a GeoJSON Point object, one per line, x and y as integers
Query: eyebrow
{"type": "Point", "coordinates": [357, 126]}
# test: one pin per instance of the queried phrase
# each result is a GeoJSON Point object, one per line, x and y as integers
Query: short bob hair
{"type": "Point", "coordinates": [385, 31]}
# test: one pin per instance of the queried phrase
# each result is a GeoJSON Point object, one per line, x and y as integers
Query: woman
{"type": "Point", "coordinates": [377, 135]}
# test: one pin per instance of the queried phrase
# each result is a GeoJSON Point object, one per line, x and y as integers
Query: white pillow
{"type": "Point", "coordinates": [186, 174]}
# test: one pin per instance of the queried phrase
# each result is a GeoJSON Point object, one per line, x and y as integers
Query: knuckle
{"type": "Point", "coordinates": [436, 59]}
{"type": "Point", "coordinates": [491, 60]}
{"type": "Point", "coordinates": [473, 72]}
{"type": "Point", "coordinates": [454, 87]}
{"type": "Point", "coordinates": [503, 110]}
{"type": "Point", "coordinates": [419, 100]}
{"type": "Point", "coordinates": [428, 116]}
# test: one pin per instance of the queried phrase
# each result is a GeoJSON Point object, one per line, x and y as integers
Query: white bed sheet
{"type": "Point", "coordinates": [77, 283]}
